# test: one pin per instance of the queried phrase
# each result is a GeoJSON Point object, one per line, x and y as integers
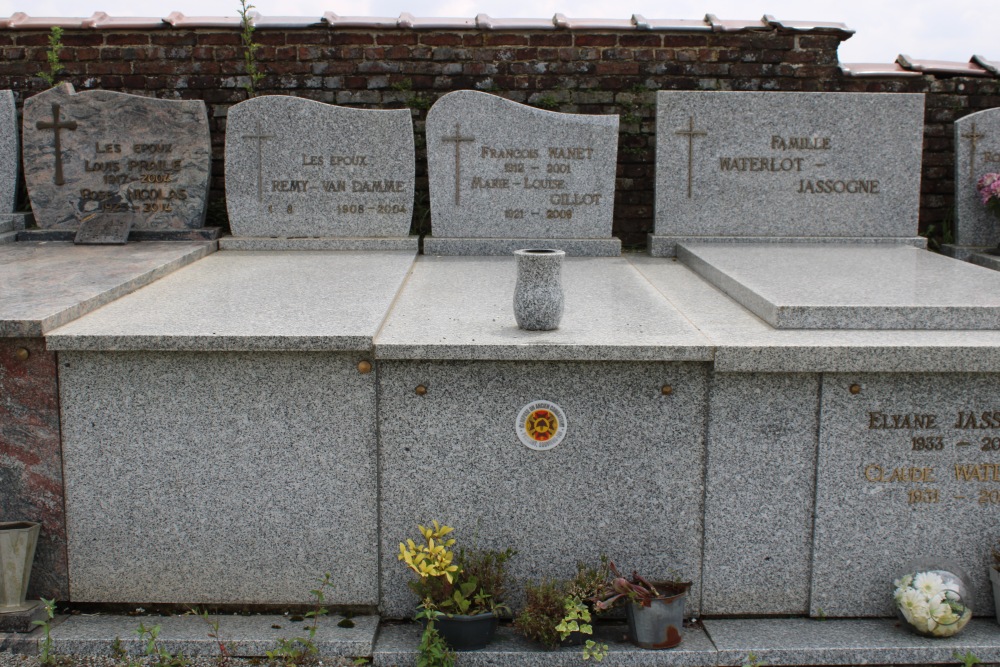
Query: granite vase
{"type": "Point", "coordinates": [18, 540]}
{"type": "Point", "coordinates": [467, 633]}
{"type": "Point", "coordinates": [658, 623]}
{"type": "Point", "coordinates": [538, 294]}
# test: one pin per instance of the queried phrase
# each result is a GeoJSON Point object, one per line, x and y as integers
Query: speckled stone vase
{"type": "Point", "coordinates": [17, 552]}
{"type": "Point", "coordinates": [538, 296]}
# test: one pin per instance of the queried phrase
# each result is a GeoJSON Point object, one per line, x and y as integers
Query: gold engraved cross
{"type": "Point", "coordinates": [973, 138]}
{"type": "Point", "coordinates": [691, 133]}
{"type": "Point", "coordinates": [260, 152]}
{"type": "Point", "coordinates": [458, 139]}
{"type": "Point", "coordinates": [56, 125]}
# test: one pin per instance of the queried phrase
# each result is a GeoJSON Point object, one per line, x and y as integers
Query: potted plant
{"type": "Point", "coordinates": [461, 593]}
{"type": "Point", "coordinates": [655, 610]}
{"type": "Point", "coordinates": [18, 540]}
{"type": "Point", "coordinates": [559, 613]}
{"type": "Point", "coordinates": [995, 578]}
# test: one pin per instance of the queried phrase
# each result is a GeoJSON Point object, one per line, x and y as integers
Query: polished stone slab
{"type": "Point", "coordinates": [298, 167]}
{"type": "Point", "coordinates": [572, 247]}
{"type": "Point", "coordinates": [800, 286]}
{"type": "Point", "coordinates": [260, 300]}
{"type": "Point", "coordinates": [798, 641]}
{"type": "Point", "coordinates": [760, 487]}
{"type": "Point", "coordinates": [462, 308]}
{"type": "Point", "coordinates": [223, 478]}
{"type": "Point", "coordinates": [666, 246]}
{"type": "Point", "coordinates": [102, 153]}
{"type": "Point", "coordinates": [23, 621]}
{"type": "Point", "coordinates": [552, 505]}
{"type": "Point", "coordinates": [788, 164]}
{"type": "Point", "coordinates": [410, 243]}
{"type": "Point", "coordinates": [977, 152]}
{"type": "Point", "coordinates": [46, 285]}
{"type": "Point", "coordinates": [10, 153]}
{"type": "Point", "coordinates": [245, 636]}
{"type": "Point", "coordinates": [907, 463]}
{"type": "Point", "coordinates": [744, 343]}
{"type": "Point", "coordinates": [396, 647]}
{"type": "Point", "coordinates": [498, 169]}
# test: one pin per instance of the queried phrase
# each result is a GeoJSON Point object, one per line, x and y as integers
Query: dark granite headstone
{"type": "Point", "coordinates": [106, 156]}
{"type": "Point", "coordinates": [103, 231]}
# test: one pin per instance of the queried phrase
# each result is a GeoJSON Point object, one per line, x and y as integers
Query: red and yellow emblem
{"type": "Point", "coordinates": [541, 425]}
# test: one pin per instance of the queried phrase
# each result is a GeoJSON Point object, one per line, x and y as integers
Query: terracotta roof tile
{"type": "Point", "coordinates": [21, 21]}
{"type": "Point", "coordinates": [487, 22]}
{"type": "Point", "coordinates": [876, 69]}
{"type": "Point", "coordinates": [991, 66]}
{"type": "Point", "coordinates": [563, 21]}
{"type": "Point", "coordinates": [266, 22]}
{"type": "Point", "coordinates": [941, 66]}
{"type": "Point", "coordinates": [807, 26]}
{"type": "Point", "coordinates": [642, 23]}
{"type": "Point", "coordinates": [336, 21]}
{"type": "Point", "coordinates": [178, 20]}
{"type": "Point", "coordinates": [408, 20]}
{"type": "Point", "coordinates": [736, 25]}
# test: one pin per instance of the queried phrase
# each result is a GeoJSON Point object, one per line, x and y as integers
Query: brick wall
{"type": "Point", "coordinates": [576, 71]}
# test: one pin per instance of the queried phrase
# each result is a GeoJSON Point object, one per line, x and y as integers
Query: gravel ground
{"type": "Point", "coordinates": [11, 660]}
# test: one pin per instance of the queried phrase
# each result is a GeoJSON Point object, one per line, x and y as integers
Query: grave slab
{"type": "Point", "coordinates": [502, 170]}
{"type": "Point", "coordinates": [280, 300]}
{"type": "Point", "coordinates": [799, 641]}
{"type": "Point", "coordinates": [49, 284]}
{"type": "Point", "coordinates": [10, 153]}
{"type": "Point", "coordinates": [197, 518]}
{"type": "Point", "coordinates": [977, 152]}
{"type": "Point", "coordinates": [245, 636]}
{"type": "Point", "coordinates": [773, 164]}
{"type": "Point", "coordinates": [105, 154]}
{"type": "Point", "coordinates": [666, 246]}
{"type": "Point", "coordinates": [572, 247]}
{"type": "Point", "coordinates": [407, 243]}
{"type": "Point", "coordinates": [622, 368]}
{"type": "Point", "coordinates": [908, 467]}
{"type": "Point", "coordinates": [22, 621]}
{"type": "Point", "coordinates": [396, 647]}
{"type": "Point", "coordinates": [800, 286]}
{"type": "Point", "coordinates": [301, 168]}
{"type": "Point", "coordinates": [462, 308]}
{"type": "Point", "coordinates": [759, 493]}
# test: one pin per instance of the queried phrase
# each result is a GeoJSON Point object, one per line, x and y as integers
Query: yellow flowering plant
{"type": "Point", "coordinates": [465, 582]}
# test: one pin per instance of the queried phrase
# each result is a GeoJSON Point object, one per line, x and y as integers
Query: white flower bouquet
{"type": "Point", "coordinates": [932, 602]}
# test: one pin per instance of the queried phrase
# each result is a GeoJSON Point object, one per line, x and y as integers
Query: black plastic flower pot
{"type": "Point", "coordinates": [467, 633]}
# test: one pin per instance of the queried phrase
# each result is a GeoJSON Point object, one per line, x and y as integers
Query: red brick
{"type": "Point", "coordinates": [505, 39]}
{"type": "Point", "coordinates": [126, 38]}
{"type": "Point", "coordinates": [558, 38]}
{"type": "Point", "coordinates": [641, 40]}
{"type": "Point", "coordinates": [343, 38]}
{"type": "Point", "coordinates": [441, 39]}
{"type": "Point", "coordinates": [388, 38]}
{"type": "Point", "coordinates": [208, 39]}
{"type": "Point", "coordinates": [595, 40]}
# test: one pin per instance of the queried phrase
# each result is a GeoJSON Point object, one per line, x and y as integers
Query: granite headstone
{"type": "Point", "coordinates": [502, 170]}
{"type": "Point", "coordinates": [908, 467]}
{"type": "Point", "coordinates": [101, 154]}
{"type": "Point", "coordinates": [9, 161]}
{"type": "Point", "coordinates": [819, 165]}
{"type": "Point", "coordinates": [977, 152]}
{"type": "Point", "coordinates": [300, 168]}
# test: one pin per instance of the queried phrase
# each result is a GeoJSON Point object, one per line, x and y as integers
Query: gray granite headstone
{"type": "Point", "coordinates": [977, 152]}
{"type": "Point", "coordinates": [908, 467]}
{"type": "Point", "coordinates": [9, 157]}
{"type": "Point", "coordinates": [100, 154]}
{"type": "Point", "coordinates": [300, 168]}
{"type": "Point", "coordinates": [753, 164]}
{"type": "Point", "coordinates": [503, 170]}
{"type": "Point", "coordinates": [103, 231]}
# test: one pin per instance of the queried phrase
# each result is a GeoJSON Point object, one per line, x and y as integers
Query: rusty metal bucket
{"type": "Point", "coordinates": [658, 626]}
{"type": "Point", "coordinates": [17, 551]}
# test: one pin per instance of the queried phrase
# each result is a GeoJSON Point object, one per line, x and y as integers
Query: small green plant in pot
{"type": "Point", "coordinates": [655, 610]}
{"type": "Point", "coordinates": [560, 613]}
{"type": "Point", "coordinates": [461, 592]}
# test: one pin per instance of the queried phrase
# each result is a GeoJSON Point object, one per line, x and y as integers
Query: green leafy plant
{"type": "Point", "coordinates": [45, 655]}
{"type": "Point", "coordinates": [433, 650]}
{"type": "Point", "coordinates": [967, 660]}
{"type": "Point", "coordinates": [155, 650]}
{"type": "Point", "coordinates": [301, 650]}
{"type": "Point", "coordinates": [51, 76]}
{"type": "Point", "coordinates": [250, 48]}
{"type": "Point", "coordinates": [214, 633]}
{"type": "Point", "coordinates": [753, 661]}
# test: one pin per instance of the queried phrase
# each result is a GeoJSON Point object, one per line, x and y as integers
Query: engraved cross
{"type": "Point", "coordinates": [260, 152]}
{"type": "Point", "coordinates": [56, 125]}
{"type": "Point", "coordinates": [458, 139]}
{"type": "Point", "coordinates": [973, 138]}
{"type": "Point", "coordinates": [691, 133]}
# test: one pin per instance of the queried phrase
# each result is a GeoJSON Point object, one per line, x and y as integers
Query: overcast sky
{"type": "Point", "coordinates": [932, 29]}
